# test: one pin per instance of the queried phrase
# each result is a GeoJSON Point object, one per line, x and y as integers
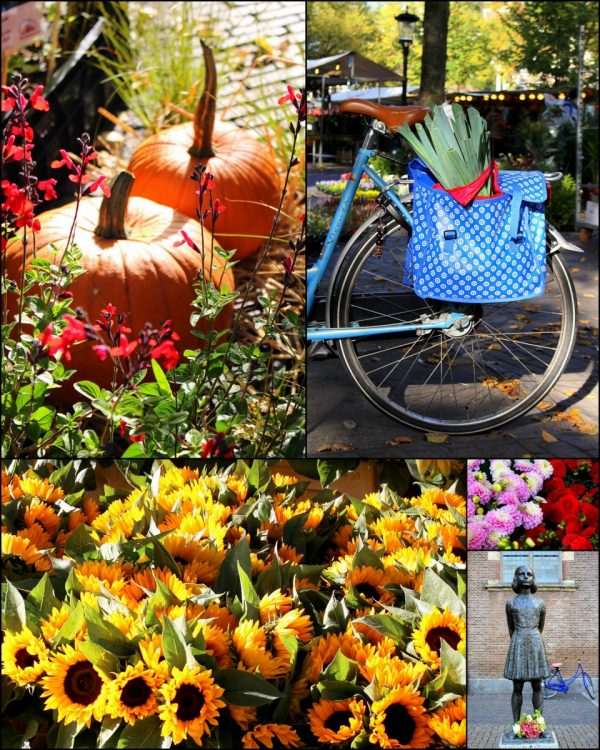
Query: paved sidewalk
{"type": "Point", "coordinates": [342, 423]}
{"type": "Point", "coordinates": [574, 718]}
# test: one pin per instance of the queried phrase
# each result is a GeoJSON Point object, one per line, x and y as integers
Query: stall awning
{"type": "Point", "coordinates": [349, 66]}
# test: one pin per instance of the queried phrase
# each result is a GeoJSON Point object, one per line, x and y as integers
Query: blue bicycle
{"type": "Point", "coordinates": [556, 683]}
{"type": "Point", "coordinates": [437, 366]}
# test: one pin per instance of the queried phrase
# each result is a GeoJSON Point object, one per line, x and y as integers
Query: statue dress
{"type": "Point", "coordinates": [526, 658]}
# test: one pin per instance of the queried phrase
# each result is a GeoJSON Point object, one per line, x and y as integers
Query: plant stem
{"type": "Point", "coordinates": [204, 116]}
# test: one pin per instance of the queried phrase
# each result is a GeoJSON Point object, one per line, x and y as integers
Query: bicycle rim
{"type": "Point", "coordinates": [548, 692]}
{"type": "Point", "coordinates": [471, 382]}
{"type": "Point", "coordinates": [588, 685]}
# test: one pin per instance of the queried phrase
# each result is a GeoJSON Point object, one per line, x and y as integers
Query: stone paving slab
{"type": "Point", "coordinates": [574, 718]}
{"type": "Point", "coordinates": [342, 423]}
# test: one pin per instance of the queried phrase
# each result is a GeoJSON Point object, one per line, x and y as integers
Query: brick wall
{"type": "Point", "coordinates": [571, 628]}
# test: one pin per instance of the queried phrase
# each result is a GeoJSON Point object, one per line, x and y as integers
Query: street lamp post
{"type": "Point", "coordinates": [406, 30]}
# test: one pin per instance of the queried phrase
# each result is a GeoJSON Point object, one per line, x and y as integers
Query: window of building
{"type": "Point", "coordinates": [546, 566]}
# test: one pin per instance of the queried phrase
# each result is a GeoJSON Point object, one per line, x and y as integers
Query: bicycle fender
{"type": "Point", "coordinates": [362, 229]}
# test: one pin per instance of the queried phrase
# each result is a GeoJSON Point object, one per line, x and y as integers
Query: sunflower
{"type": "Point", "coordinates": [54, 621]}
{"type": "Point", "coordinates": [391, 671]}
{"type": "Point", "coordinates": [40, 540]}
{"type": "Point", "coordinates": [23, 656]}
{"type": "Point", "coordinates": [399, 720]}
{"type": "Point", "coordinates": [255, 646]}
{"type": "Point", "coordinates": [243, 716]}
{"type": "Point", "coordinates": [434, 628]}
{"type": "Point", "coordinates": [217, 643]}
{"type": "Point", "coordinates": [368, 582]}
{"type": "Point", "coordinates": [153, 656]}
{"type": "Point", "coordinates": [21, 547]}
{"type": "Point", "coordinates": [274, 604]}
{"type": "Point", "coordinates": [40, 512]}
{"type": "Point", "coordinates": [336, 721]}
{"type": "Point", "coordinates": [286, 553]}
{"type": "Point", "coordinates": [41, 488]}
{"type": "Point", "coordinates": [74, 687]}
{"type": "Point", "coordinates": [131, 695]}
{"type": "Point", "coordinates": [450, 723]}
{"type": "Point", "coordinates": [266, 733]}
{"type": "Point", "coordinates": [112, 575]}
{"type": "Point", "coordinates": [192, 701]}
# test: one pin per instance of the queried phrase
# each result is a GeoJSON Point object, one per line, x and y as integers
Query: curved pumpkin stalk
{"type": "Point", "coordinates": [111, 216]}
{"type": "Point", "coordinates": [204, 115]}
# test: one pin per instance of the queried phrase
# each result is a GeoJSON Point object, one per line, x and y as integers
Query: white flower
{"type": "Point", "coordinates": [529, 717]}
{"type": "Point", "coordinates": [517, 728]}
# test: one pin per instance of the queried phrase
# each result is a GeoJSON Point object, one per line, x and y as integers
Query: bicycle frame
{"type": "Point", "coordinates": [317, 271]}
{"type": "Point", "coordinates": [561, 684]}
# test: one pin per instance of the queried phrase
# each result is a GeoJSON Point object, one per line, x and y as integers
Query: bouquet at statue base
{"type": "Point", "coordinates": [530, 727]}
{"type": "Point", "coordinates": [479, 235]}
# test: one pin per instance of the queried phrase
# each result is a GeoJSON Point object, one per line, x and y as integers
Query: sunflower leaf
{"type": "Point", "coordinates": [437, 592]}
{"type": "Point", "coordinates": [329, 471]}
{"type": "Point", "coordinates": [106, 634]}
{"type": "Point", "coordinates": [145, 733]}
{"type": "Point", "coordinates": [70, 627]}
{"type": "Point", "coordinates": [245, 688]}
{"type": "Point", "coordinates": [13, 608]}
{"type": "Point", "coordinates": [456, 664]}
{"type": "Point", "coordinates": [102, 659]}
{"type": "Point", "coordinates": [67, 733]}
{"type": "Point", "coordinates": [336, 615]}
{"type": "Point", "coordinates": [40, 602]}
{"type": "Point", "coordinates": [389, 626]}
{"type": "Point", "coordinates": [364, 557]}
{"type": "Point", "coordinates": [177, 652]}
{"type": "Point", "coordinates": [338, 690]}
{"type": "Point", "coordinates": [79, 543]}
{"type": "Point", "coordinates": [270, 578]}
{"type": "Point", "coordinates": [107, 732]}
{"type": "Point", "coordinates": [228, 581]}
{"type": "Point", "coordinates": [250, 599]}
{"type": "Point", "coordinates": [341, 669]}
{"type": "Point", "coordinates": [163, 558]}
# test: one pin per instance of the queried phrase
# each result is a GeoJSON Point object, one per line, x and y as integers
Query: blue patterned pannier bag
{"type": "Point", "coordinates": [493, 250]}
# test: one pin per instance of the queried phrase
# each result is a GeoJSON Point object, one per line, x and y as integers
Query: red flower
{"type": "Point", "coordinates": [36, 100]}
{"type": "Point", "coordinates": [556, 483]}
{"type": "Point", "coordinates": [291, 96]}
{"type": "Point", "coordinates": [576, 542]}
{"type": "Point", "coordinates": [217, 447]}
{"type": "Point", "coordinates": [560, 468]}
{"type": "Point", "coordinates": [166, 352]}
{"type": "Point", "coordinates": [125, 347]}
{"type": "Point", "coordinates": [187, 240]}
{"type": "Point", "coordinates": [101, 351]}
{"type": "Point", "coordinates": [218, 209]}
{"type": "Point", "coordinates": [47, 186]}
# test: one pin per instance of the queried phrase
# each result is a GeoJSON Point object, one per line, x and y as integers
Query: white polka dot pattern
{"type": "Point", "coordinates": [476, 254]}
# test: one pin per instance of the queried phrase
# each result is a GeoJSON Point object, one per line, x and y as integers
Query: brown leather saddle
{"type": "Point", "coordinates": [392, 116]}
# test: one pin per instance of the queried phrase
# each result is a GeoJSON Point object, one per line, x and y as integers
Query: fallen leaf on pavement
{"type": "Point", "coordinates": [543, 405]}
{"type": "Point", "coordinates": [548, 438]}
{"type": "Point", "coordinates": [436, 437]}
{"type": "Point", "coordinates": [399, 440]}
{"type": "Point", "coordinates": [337, 447]}
{"type": "Point", "coordinates": [576, 418]}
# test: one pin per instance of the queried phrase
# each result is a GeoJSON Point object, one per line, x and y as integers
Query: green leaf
{"type": "Point", "coordinates": [106, 634]}
{"type": "Point", "coordinates": [71, 626]}
{"type": "Point", "coordinates": [135, 450]}
{"type": "Point", "coordinates": [437, 592]}
{"type": "Point", "coordinates": [365, 557]}
{"type": "Point", "coordinates": [337, 690]}
{"type": "Point", "coordinates": [228, 580]}
{"type": "Point", "coordinates": [293, 531]}
{"type": "Point", "coordinates": [13, 608]}
{"type": "Point", "coordinates": [329, 471]}
{"type": "Point", "coordinates": [163, 558]}
{"type": "Point", "coordinates": [389, 626]}
{"type": "Point", "coordinates": [40, 602]}
{"type": "Point", "coordinates": [79, 543]}
{"type": "Point", "coordinates": [245, 688]}
{"type": "Point", "coordinates": [89, 388]}
{"type": "Point", "coordinates": [174, 645]}
{"type": "Point", "coordinates": [259, 476]}
{"type": "Point", "coordinates": [145, 733]}
{"type": "Point", "coordinates": [64, 477]}
{"type": "Point", "coordinates": [67, 733]}
{"type": "Point", "coordinates": [341, 669]}
{"type": "Point", "coordinates": [161, 379]}
{"type": "Point", "coordinates": [270, 578]}
{"type": "Point", "coordinates": [250, 599]}
{"type": "Point", "coordinates": [336, 615]}
{"type": "Point", "coordinates": [456, 664]}
{"type": "Point", "coordinates": [101, 658]}
{"type": "Point", "coordinates": [108, 729]}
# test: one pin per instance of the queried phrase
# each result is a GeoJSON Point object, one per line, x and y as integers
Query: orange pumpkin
{"type": "Point", "coordinates": [245, 174]}
{"type": "Point", "coordinates": [128, 252]}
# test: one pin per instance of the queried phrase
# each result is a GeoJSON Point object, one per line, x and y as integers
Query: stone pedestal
{"type": "Point", "coordinates": [508, 740]}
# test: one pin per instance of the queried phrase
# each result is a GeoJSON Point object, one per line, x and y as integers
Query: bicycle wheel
{"type": "Point", "coordinates": [465, 380]}
{"type": "Point", "coordinates": [548, 692]}
{"type": "Point", "coordinates": [588, 685]}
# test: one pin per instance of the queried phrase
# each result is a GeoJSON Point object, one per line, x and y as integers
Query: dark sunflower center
{"type": "Point", "coordinates": [82, 683]}
{"type": "Point", "coordinates": [135, 693]}
{"type": "Point", "coordinates": [181, 560]}
{"type": "Point", "coordinates": [399, 724]}
{"type": "Point", "coordinates": [460, 552]}
{"type": "Point", "coordinates": [337, 720]}
{"type": "Point", "coordinates": [189, 701]}
{"type": "Point", "coordinates": [435, 634]}
{"type": "Point", "coordinates": [24, 659]}
{"type": "Point", "coordinates": [368, 591]}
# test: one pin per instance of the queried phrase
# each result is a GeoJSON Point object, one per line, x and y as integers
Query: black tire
{"type": "Point", "coordinates": [371, 288]}
{"type": "Point", "coordinates": [588, 685]}
{"type": "Point", "coordinates": [548, 692]}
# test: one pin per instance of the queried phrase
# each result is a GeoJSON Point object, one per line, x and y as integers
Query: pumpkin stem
{"type": "Point", "coordinates": [111, 217]}
{"type": "Point", "coordinates": [204, 116]}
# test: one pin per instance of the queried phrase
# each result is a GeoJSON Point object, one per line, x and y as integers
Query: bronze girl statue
{"type": "Point", "coordinates": [526, 659]}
